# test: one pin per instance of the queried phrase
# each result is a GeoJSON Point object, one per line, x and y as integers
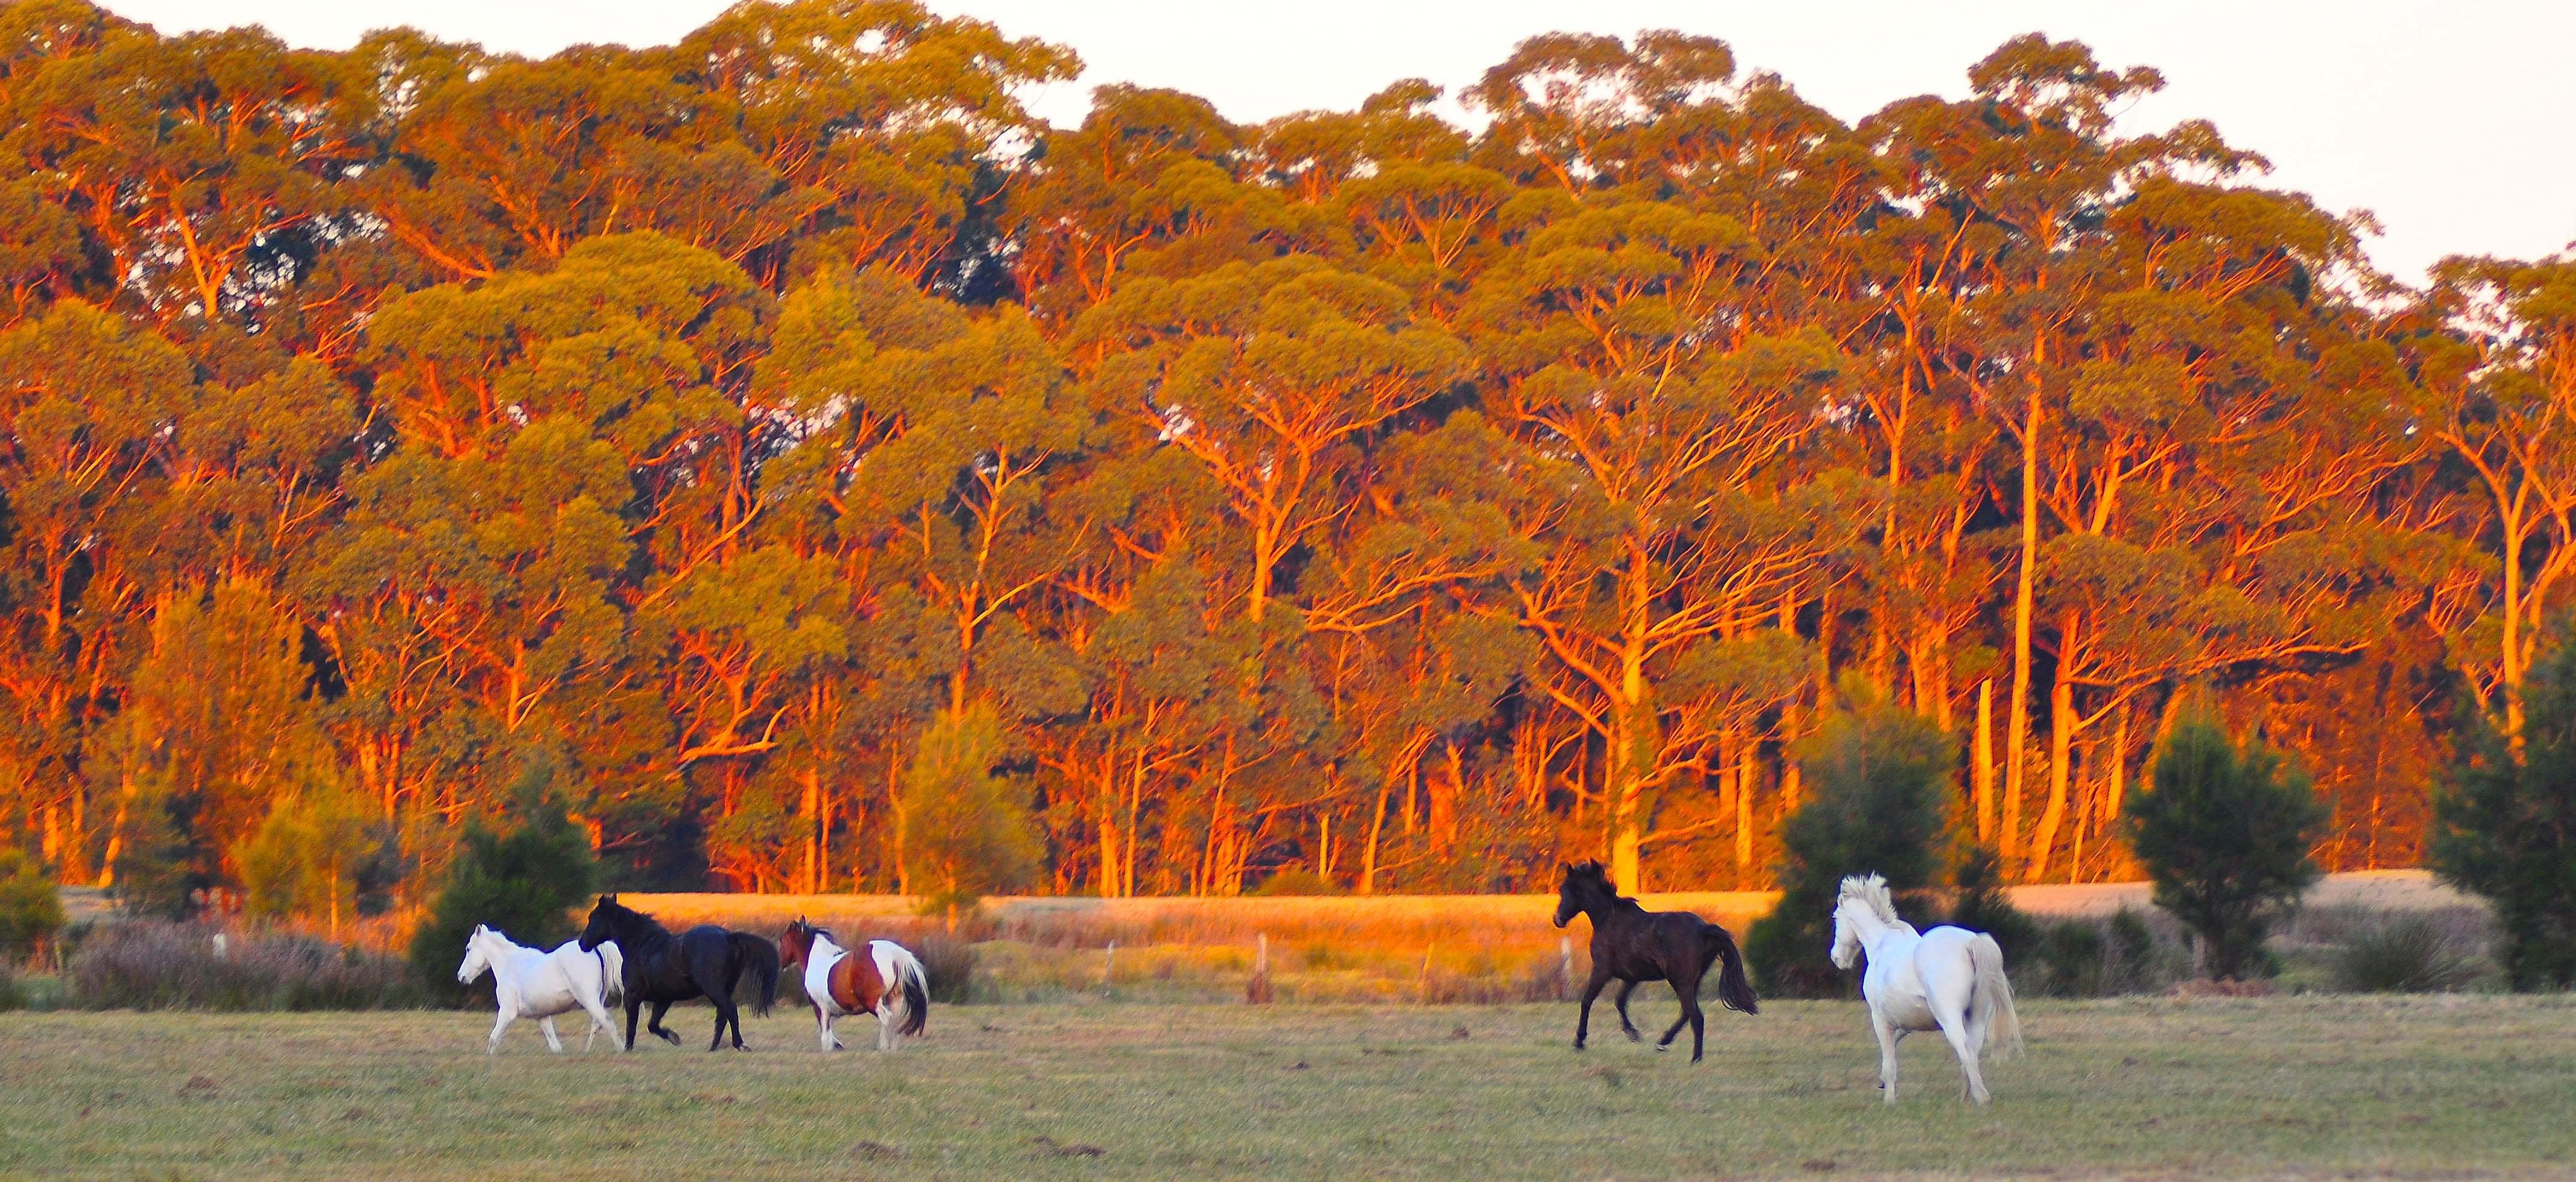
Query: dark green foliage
{"type": "Point", "coordinates": [157, 872]}
{"type": "Point", "coordinates": [157, 965]}
{"type": "Point", "coordinates": [1982, 905]}
{"type": "Point", "coordinates": [2403, 954]}
{"type": "Point", "coordinates": [524, 883]}
{"type": "Point", "coordinates": [2505, 826]}
{"type": "Point", "coordinates": [1875, 806]}
{"type": "Point", "coordinates": [2091, 957]}
{"type": "Point", "coordinates": [30, 911]}
{"type": "Point", "coordinates": [2225, 837]}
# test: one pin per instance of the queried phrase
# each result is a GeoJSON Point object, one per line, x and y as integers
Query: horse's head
{"type": "Point", "coordinates": [1861, 906]}
{"type": "Point", "coordinates": [796, 943]}
{"type": "Point", "coordinates": [1583, 885]}
{"type": "Point", "coordinates": [477, 961]}
{"type": "Point", "coordinates": [605, 917]}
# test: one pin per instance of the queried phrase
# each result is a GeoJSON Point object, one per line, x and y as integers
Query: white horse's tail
{"type": "Point", "coordinates": [1994, 995]}
{"type": "Point", "coordinates": [612, 971]}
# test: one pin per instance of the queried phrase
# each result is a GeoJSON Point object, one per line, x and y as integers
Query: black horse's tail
{"type": "Point", "coordinates": [759, 958]}
{"type": "Point", "coordinates": [916, 997]}
{"type": "Point", "coordinates": [1732, 987]}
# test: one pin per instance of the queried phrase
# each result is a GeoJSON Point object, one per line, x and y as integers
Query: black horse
{"type": "Point", "coordinates": [1633, 944]}
{"type": "Point", "coordinates": [704, 961]}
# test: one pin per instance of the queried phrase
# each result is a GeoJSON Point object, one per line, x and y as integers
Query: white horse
{"type": "Point", "coordinates": [534, 984]}
{"type": "Point", "coordinates": [1948, 979]}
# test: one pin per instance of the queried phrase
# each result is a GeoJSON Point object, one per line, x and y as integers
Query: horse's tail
{"type": "Point", "coordinates": [1993, 993]}
{"type": "Point", "coordinates": [915, 981]}
{"type": "Point", "coordinates": [612, 970]}
{"type": "Point", "coordinates": [1732, 987]}
{"type": "Point", "coordinates": [759, 958]}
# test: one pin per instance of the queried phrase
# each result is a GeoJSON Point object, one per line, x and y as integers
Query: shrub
{"type": "Point", "coordinates": [1294, 879]}
{"type": "Point", "coordinates": [13, 996]}
{"type": "Point", "coordinates": [2092, 957]}
{"type": "Point", "coordinates": [2225, 838]}
{"type": "Point", "coordinates": [1878, 772]}
{"type": "Point", "coordinates": [160, 965]}
{"type": "Point", "coordinates": [525, 883]}
{"type": "Point", "coordinates": [1982, 905]}
{"type": "Point", "coordinates": [950, 962]}
{"type": "Point", "coordinates": [2504, 826]}
{"type": "Point", "coordinates": [30, 911]}
{"type": "Point", "coordinates": [967, 833]}
{"type": "Point", "coordinates": [2403, 954]}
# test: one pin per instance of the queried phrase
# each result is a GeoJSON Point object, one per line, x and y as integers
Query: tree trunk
{"type": "Point", "coordinates": [2061, 735]}
{"type": "Point", "coordinates": [2017, 725]}
{"type": "Point", "coordinates": [1983, 770]}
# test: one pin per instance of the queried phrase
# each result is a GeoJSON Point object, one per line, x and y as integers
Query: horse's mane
{"type": "Point", "coordinates": [1872, 889]}
{"type": "Point", "coordinates": [621, 914]}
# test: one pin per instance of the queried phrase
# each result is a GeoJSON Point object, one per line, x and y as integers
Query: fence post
{"type": "Point", "coordinates": [1565, 968]}
{"type": "Point", "coordinates": [1108, 967]}
{"type": "Point", "coordinates": [1257, 990]}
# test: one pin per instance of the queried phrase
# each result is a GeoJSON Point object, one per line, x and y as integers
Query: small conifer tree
{"type": "Point", "coordinates": [2225, 836]}
{"type": "Point", "coordinates": [2504, 826]}
{"type": "Point", "coordinates": [1878, 773]}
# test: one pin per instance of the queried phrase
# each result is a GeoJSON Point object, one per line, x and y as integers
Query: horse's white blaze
{"type": "Point", "coordinates": [528, 983]}
{"type": "Point", "coordinates": [1948, 979]}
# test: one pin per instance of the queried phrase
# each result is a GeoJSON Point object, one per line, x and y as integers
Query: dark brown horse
{"type": "Point", "coordinates": [1631, 944]}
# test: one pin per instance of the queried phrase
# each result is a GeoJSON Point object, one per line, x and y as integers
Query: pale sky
{"type": "Point", "coordinates": [2451, 122]}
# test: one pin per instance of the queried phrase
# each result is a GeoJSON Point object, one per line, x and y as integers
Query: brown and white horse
{"type": "Point", "coordinates": [884, 979]}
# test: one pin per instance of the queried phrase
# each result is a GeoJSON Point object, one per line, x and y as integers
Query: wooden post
{"type": "Point", "coordinates": [1565, 968]}
{"type": "Point", "coordinates": [1257, 990]}
{"type": "Point", "coordinates": [1108, 967]}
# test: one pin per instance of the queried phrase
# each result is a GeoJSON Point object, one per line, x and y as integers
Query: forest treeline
{"type": "Point", "coordinates": [1410, 502]}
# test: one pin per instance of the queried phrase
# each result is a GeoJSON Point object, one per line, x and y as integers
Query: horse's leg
{"type": "Point", "coordinates": [726, 1014]}
{"type": "Point", "coordinates": [1887, 1037]}
{"type": "Point", "coordinates": [598, 1011]}
{"type": "Point", "coordinates": [1956, 1028]}
{"type": "Point", "coordinates": [885, 1023]}
{"type": "Point", "coordinates": [634, 1007]}
{"type": "Point", "coordinates": [1626, 1026]}
{"type": "Point", "coordinates": [655, 1024]}
{"type": "Point", "coordinates": [1689, 997]}
{"type": "Point", "coordinates": [1583, 1016]}
{"type": "Point", "coordinates": [554, 1042]}
{"type": "Point", "coordinates": [500, 1023]}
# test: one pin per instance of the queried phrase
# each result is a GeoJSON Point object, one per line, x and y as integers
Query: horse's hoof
{"type": "Point", "coordinates": [1660, 1048]}
{"type": "Point", "coordinates": [1633, 1036]}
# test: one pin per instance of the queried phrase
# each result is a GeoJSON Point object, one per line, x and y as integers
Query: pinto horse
{"type": "Point", "coordinates": [1632, 944]}
{"type": "Point", "coordinates": [704, 961]}
{"type": "Point", "coordinates": [888, 982]}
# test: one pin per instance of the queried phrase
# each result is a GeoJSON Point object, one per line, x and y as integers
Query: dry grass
{"type": "Point", "coordinates": [2313, 1086]}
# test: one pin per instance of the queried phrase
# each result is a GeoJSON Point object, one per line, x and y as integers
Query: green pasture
{"type": "Point", "coordinates": [2306, 1086]}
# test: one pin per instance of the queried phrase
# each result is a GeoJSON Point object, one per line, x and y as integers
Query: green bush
{"type": "Point", "coordinates": [2092, 957]}
{"type": "Point", "coordinates": [30, 910]}
{"type": "Point", "coordinates": [524, 883]}
{"type": "Point", "coordinates": [13, 996]}
{"type": "Point", "coordinates": [2403, 954]}
{"type": "Point", "coordinates": [2225, 837]}
{"type": "Point", "coordinates": [1877, 774]}
{"type": "Point", "coordinates": [1981, 904]}
{"type": "Point", "coordinates": [2504, 826]}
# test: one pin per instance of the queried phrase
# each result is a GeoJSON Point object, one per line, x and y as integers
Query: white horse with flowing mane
{"type": "Point", "coordinates": [1948, 979]}
{"type": "Point", "coordinates": [531, 983]}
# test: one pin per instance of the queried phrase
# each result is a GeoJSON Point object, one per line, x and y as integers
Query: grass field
{"type": "Point", "coordinates": [2446, 1086]}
